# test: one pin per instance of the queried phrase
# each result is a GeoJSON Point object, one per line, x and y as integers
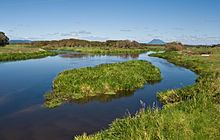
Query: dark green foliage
{"type": "Point", "coordinates": [105, 79]}
{"type": "Point", "coordinates": [4, 40]}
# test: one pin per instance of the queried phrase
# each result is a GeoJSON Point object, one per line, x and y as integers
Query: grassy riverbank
{"type": "Point", "coordinates": [189, 113]}
{"type": "Point", "coordinates": [208, 67]}
{"type": "Point", "coordinates": [110, 50]}
{"type": "Point", "coordinates": [20, 52]}
{"type": "Point", "coordinates": [109, 79]}
{"type": "Point", "coordinates": [104, 50]}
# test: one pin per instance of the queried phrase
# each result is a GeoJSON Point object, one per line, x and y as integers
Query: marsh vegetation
{"type": "Point", "coordinates": [105, 79]}
{"type": "Point", "coordinates": [23, 52]}
{"type": "Point", "coordinates": [188, 113]}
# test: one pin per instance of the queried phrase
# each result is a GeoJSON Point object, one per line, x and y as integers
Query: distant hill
{"type": "Point", "coordinates": [20, 41]}
{"type": "Point", "coordinates": [157, 42]}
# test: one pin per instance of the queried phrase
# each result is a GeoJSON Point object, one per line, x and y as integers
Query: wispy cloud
{"type": "Point", "coordinates": [75, 33]}
{"type": "Point", "coordinates": [178, 28]}
{"type": "Point", "coordinates": [52, 34]}
{"type": "Point", "coordinates": [10, 30]}
{"type": "Point", "coordinates": [83, 32]}
{"type": "Point", "coordinates": [66, 34]}
{"type": "Point", "coordinates": [125, 30]}
{"type": "Point", "coordinates": [198, 39]}
{"type": "Point", "coordinates": [95, 38]}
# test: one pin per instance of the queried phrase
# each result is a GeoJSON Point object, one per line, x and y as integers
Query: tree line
{"type": "Point", "coordinates": [86, 43]}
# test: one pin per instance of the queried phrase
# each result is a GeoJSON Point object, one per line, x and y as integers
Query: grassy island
{"type": "Point", "coordinates": [22, 52]}
{"type": "Point", "coordinates": [109, 79]}
{"type": "Point", "coordinates": [189, 113]}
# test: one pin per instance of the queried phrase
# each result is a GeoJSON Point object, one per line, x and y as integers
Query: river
{"type": "Point", "coordinates": [24, 83]}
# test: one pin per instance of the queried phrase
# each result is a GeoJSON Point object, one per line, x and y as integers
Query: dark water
{"type": "Point", "coordinates": [23, 84]}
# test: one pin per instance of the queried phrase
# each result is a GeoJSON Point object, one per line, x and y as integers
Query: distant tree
{"type": "Point", "coordinates": [4, 40]}
{"type": "Point", "coordinates": [175, 46]}
{"type": "Point", "coordinates": [123, 44]}
{"type": "Point", "coordinates": [217, 45]}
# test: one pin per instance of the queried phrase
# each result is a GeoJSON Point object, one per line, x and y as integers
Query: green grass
{"type": "Point", "coordinates": [206, 67]}
{"type": "Point", "coordinates": [10, 49]}
{"type": "Point", "coordinates": [105, 79]}
{"type": "Point", "coordinates": [20, 52]}
{"type": "Point", "coordinates": [109, 50]}
{"type": "Point", "coordinates": [97, 50]}
{"type": "Point", "coordinates": [194, 119]}
{"type": "Point", "coordinates": [189, 113]}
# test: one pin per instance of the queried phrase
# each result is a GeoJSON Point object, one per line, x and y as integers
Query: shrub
{"type": "Point", "coordinates": [175, 46]}
{"type": "Point", "coordinates": [4, 40]}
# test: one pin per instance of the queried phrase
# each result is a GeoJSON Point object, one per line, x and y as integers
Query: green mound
{"type": "Point", "coordinates": [105, 79]}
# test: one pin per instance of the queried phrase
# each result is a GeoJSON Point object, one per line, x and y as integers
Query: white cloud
{"type": "Point", "coordinates": [198, 39]}
{"type": "Point", "coordinates": [95, 38]}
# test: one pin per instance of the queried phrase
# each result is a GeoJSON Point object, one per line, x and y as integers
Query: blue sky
{"type": "Point", "coordinates": [188, 21]}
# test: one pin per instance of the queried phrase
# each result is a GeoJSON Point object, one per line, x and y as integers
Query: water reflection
{"type": "Point", "coordinates": [73, 55]}
{"type": "Point", "coordinates": [103, 97]}
{"type": "Point", "coordinates": [108, 97]}
{"type": "Point", "coordinates": [80, 55]}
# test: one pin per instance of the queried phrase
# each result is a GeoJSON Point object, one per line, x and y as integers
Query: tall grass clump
{"type": "Point", "coordinates": [105, 79]}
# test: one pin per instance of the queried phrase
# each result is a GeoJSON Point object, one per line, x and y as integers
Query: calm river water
{"type": "Point", "coordinates": [23, 84]}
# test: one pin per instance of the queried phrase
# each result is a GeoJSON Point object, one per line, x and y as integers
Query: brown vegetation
{"type": "Point", "coordinates": [175, 46]}
{"type": "Point", "coordinates": [84, 43]}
